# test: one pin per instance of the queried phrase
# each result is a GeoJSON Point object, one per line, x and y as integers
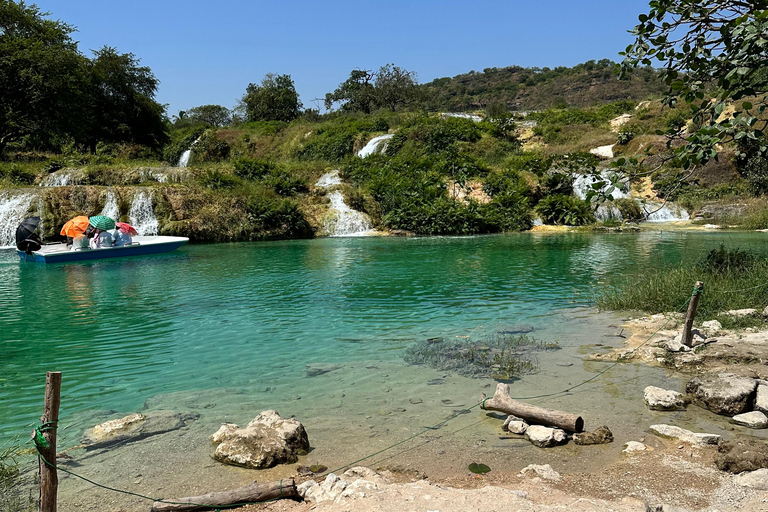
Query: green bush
{"type": "Point", "coordinates": [723, 260]}
{"type": "Point", "coordinates": [626, 134]}
{"type": "Point", "coordinates": [529, 162]}
{"type": "Point", "coordinates": [210, 148]}
{"type": "Point", "coordinates": [217, 180]}
{"type": "Point", "coordinates": [630, 210]}
{"type": "Point", "coordinates": [253, 168]}
{"type": "Point", "coordinates": [563, 209]}
{"type": "Point", "coordinates": [285, 183]}
{"type": "Point", "coordinates": [17, 174]}
{"type": "Point", "coordinates": [556, 182]}
{"type": "Point", "coordinates": [505, 182]}
{"type": "Point", "coordinates": [272, 217]}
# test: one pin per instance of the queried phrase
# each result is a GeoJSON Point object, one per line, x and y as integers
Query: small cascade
{"type": "Point", "coordinates": [375, 145]}
{"type": "Point", "coordinates": [582, 184]}
{"type": "Point", "coordinates": [329, 179]}
{"type": "Point", "coordinates": [184, 160]}
{"type": "Point", "coordinates": [63, 177]}
{"type": "Point", "coordinates": [13, 210]}
{"type": "Point", "coordinates": [110, 206]}
{"type": "Point", "coordinates": [660, 212]}
{"type": "Point", "coordinates": [462, 115]}
{"type": "Point", "coordinates": [344, 221]}
{"type": "Point", "coordinates": [142, 215]}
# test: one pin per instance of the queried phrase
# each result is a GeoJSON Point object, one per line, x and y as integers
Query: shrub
{"type": "Point", "coordinates": [276, 217]}
{"type": "Point", "coordinates": [630, 210]}
{"type": "Point", "coordinates": [556, 182]}
{"type": "Point", "coordinates": [728, 260]}
{"type": "Point", "coordinates": [505, 182]}
{"type": "Point", "coordinates": [563, 209]}
{"type": "Point", "coordinates": [253, 168]}
{"type": "Point", "coordinates": [217, 180]}
{"type": "Point", "coordinates": [210, 148]}
{"type": "Point", "coordinates": [626, 134]}
{"type": "Point", "coordinates": [17, 174]}
{"type": "Point", "coordinates": [285, 183]}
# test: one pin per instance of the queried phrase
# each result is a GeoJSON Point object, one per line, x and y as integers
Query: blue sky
{"type": "Point", "coordinates": [208, 52]}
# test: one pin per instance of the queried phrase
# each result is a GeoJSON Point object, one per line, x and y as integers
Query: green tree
{"type": "Point", "coordinates": [42, 75]}
{"type": "Point", "coordinates": [355, 94]}
{"type": "Point", "coordinates": [275, 99]}
{"type": "Point", "coordinates": [214, 115]}
{"type": "Point", "coordinates": [712, 53]}
{"type": "Point", "coordinates": [121, 101]}
{"type": "Point", "coordinates": [394, 87]}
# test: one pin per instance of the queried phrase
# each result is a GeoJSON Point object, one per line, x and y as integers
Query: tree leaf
{"type": "Point", "coordinates": [479, 469]}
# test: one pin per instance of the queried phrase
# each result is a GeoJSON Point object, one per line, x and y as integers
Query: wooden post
{"type": "Point", "coordinates": [49, 480]}
{"type": "Point", "coordinates": [691, 314]}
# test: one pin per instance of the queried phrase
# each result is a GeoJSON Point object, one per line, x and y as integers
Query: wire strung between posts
{"type": "Point", "coordinates": [47, 426]}
{"type": "Point", "coordinates": [158, 500]}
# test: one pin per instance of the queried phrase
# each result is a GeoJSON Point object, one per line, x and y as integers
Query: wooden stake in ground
{"type": "Point", "coordinates": [691, 314]}
{"type": "Point", "coordinates": [49, 479]}
{"type": "Point", "coordinates": [502, 402]}
{"type": "Point", "coordinates": [252, 493]}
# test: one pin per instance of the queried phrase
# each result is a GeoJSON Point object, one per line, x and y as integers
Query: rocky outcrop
{"type": "Point", "coordinates": [723, 393]}
{"type": "Point", "coordinates": [761, 398]}
{"type": "Point", "coordinates": [602, 435]}
{"type": "Point", "coordinates": [659, 399]}
{"type": "Point", "coordinates": [757, 479]}
{"type": "Point", "coordinates": [543, 471]}
{"type": "Point", "coordinates": [545, 437]}
{"type": "Point", "coordinates": [353, 484]}
{"type": "Point", "coordinates": [694, 438]}
{"type": "Point", "coordinates": [135, 427]}
{"type": "Point", "coordinates": [742, 454]}
{"type": "Point", "coordinates": [268, 440]}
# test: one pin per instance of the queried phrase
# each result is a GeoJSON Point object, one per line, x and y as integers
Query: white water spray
{"type": "Point", "coordinates": [13, 210]}
{"type": "Point", "coordinates": [63, 177]}
{"type": "Point", "coordinates": [343, 220]}
{"type": "Point", "coordinates": [373, 145]}
{"type": "Point", "coordinates": [184, 160]}
{"type": "Point", "coordinates": [142, 215]}
{"type": "Point", "coordinates": [110, 206]}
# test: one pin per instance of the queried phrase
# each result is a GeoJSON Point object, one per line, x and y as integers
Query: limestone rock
{"type": "Point", "coordinates": [303, 487]}
{"type": "Point", "coordinates": [742, 454]}
{"type": "Point", "coordinates": [757, 479]}
{"type": "Point", "coordinates": [135, 427]}
{"type": "Point", "coordinates": [761, 398]}
{"type": "Point", "coordinates": [603, 151]}
{"type": "Point", "coordinates": [268, 440]}
{"type": "Point", "coordinates": [545, 437]}
{"type": "Point", "coordinates": [543, 471]}
{"type": "Point", "coordinates": [682, 434]}
{"type": "Point", "coordinates": [659, 399]}
{"type": "Point", "coordinates": [754, 419]}
{"type": "Point", "coordinates": [634, 446]}
{"type": "Point", "coordinates": [697, 338]}
{"type": "Point", "coordinates": [741, 313]}
{"type": "Point", "coordinates": [315, 369]}
{"type": "Point", "coordinates": [712, 326]}
{"type": "Point", "coordinates": [620, 121]}
{"type": "Point", "coordinates": [514, 425]}
{"type": "Point", "coordinates": [602, 435]}
{"type": "Point", "coordinates": [723, 393]}
{"type": "Point", "coordinates": [361, 472]}
{"type": "Point", "coordinates": [336, 489]}
{"type": "Point", "coordinates": [676, 345]}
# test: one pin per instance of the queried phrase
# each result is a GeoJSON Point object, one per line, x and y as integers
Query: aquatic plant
{"type": "Point", "coordinates": [500, 356]}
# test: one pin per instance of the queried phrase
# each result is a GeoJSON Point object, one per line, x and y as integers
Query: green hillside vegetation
{"type": "Point", "coordinates": [518, 88]}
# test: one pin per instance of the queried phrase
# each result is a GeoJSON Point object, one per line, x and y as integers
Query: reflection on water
{"type": "Point", "coordinates": [242, 315]}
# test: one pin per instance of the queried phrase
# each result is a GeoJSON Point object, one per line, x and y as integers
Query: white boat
{"type": "Point", "coordinates": [141, 245]}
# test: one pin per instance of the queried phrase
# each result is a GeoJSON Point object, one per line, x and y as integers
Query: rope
{"type": "Point", "coordinates": [158, 500]}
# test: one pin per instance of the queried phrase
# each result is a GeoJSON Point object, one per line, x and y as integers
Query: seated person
{"type": "Point", "coordinates": [80, 243]}
{"type": "Point", "coordinates": [122, 239]}
{"type": "Point", "coordinates": [101, 239]}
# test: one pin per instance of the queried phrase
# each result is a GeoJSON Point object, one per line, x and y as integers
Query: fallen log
{"type": "Point", "coordinates": [502, 402]}
{"type": "Point", "coordinates": [251, 493]}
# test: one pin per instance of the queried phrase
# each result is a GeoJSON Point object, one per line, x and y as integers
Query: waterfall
{"type": "Point", "coordinates": [582, 184]}
{"type": "Point", "coordinates": [184, 160]}
{"type": "Point", "coordinates": [659, 212]}
{"type": "Point", "coordinates": [343, 220]}
{"type": "Point", "coordinates": [373, 145]}
{"type": "Point", "coordinates": [63, 178]}
{"type": "Point", "coordinates": [141, 214]}
{"type": "Point", "coordinates": [110, 206]}
{"type": "Point", "coordinates": [329, 179]}
{"type": "Point", "coordinates": [13, 210]}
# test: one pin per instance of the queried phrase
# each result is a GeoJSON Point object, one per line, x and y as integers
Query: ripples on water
{"type": "Point", "coordinates": [242, 314]}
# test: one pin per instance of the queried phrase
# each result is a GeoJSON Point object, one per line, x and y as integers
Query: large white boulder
{"type": "Point", "coordinates": [659, 399]}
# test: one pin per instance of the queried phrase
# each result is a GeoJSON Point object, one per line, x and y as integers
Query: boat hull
{"type": "Point", "coordinates": [142, 246]}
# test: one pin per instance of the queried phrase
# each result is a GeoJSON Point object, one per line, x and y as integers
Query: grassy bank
{"type": "Point", "coordinates": [733, 279]}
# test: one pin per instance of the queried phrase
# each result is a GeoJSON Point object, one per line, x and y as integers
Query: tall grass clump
{"type": "Point", "coordinates": [15, 487]}
{"type": "Point", "coordinates": [733, 279]}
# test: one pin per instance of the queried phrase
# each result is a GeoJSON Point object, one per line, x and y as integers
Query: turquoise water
{"type": "Point", "coordinates": [252, 315]}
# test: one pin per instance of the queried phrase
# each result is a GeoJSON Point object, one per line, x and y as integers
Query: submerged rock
{"type": "Point", "coordinates": [682, 434]}
{"type": "Point", "coordinates": [517, 329]}
{"type": "Point", "coordinates": [659, 399]}
{"type": "Point", "coordinates": [742, 454]}
{"type": "Point", "coordinates": [602, 435]}
{"type": "Point", "coordinates": [268, 440]}
{"type": "Point", "coordinates": [315, 369]}
{"type": "Point", "coordinates": [135, 427]}
{"type": "Point", "coordinates": [723, 393]}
